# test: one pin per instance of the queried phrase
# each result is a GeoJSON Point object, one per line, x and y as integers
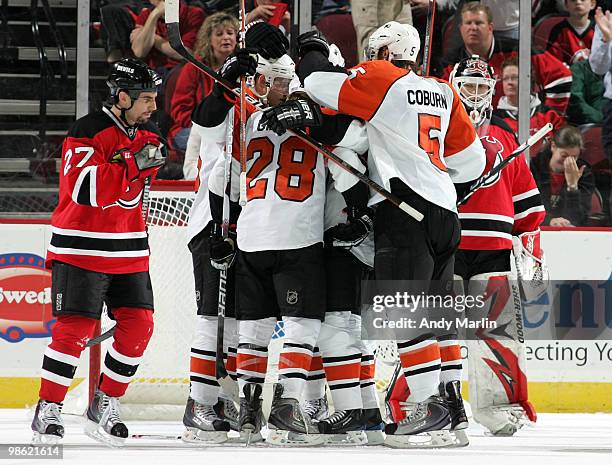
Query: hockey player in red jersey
{"type": "Point", "coordinates": [506, 210]}
{"type": "Point", "coordinates": [99, 251]}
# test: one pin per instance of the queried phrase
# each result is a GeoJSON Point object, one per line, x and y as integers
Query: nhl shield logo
{"type": "Point", "coordinates": [292, 297]}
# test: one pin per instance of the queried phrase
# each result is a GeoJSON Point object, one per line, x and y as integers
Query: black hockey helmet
{"type": "Point", "coordinates": [132, 76]}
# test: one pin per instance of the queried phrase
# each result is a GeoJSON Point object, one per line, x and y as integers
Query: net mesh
{"type": "Point", "coordinates": [161, 386]}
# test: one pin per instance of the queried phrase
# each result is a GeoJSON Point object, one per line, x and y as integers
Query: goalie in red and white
{"type": "Point", "coordinates": [500, 219]}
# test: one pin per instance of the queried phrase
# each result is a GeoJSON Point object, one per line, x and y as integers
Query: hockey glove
{"type": "Point", "coordinates": [239, 63]}
{"type": "Point", "coordinates": [290, 115]}
{"type": "Point", "coordinates": [353, 233]}
{"type": "Point", "coordinates": [310, 41]}
{"type": "Point", "coordinates": [142, 158]}
{"type": "Point", "coordinates": [222, 250]}
{"type": "Point", "coordinates": [269, 41]}
{"type": "Point", "coordinates": [530, 264]}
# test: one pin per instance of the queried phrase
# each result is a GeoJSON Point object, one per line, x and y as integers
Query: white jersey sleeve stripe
{"type": "Point", "coordinates": [326, 87]}
{"type": "Point", "coordinates": [468, 164]}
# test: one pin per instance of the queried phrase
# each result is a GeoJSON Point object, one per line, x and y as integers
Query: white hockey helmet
{"type": "Point", "coordinates": [402, 40]}
{"type": "Point", "coordinates": [474, 81]}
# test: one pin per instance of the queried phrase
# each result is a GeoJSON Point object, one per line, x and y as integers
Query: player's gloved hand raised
{"type": "Point", "coordinates": [312, 40]}
{"type": "Point", "coordinates": [240, 63]}
{"type": "Point", "coordinates": [269, 40]}
{"type": "Point", "coordinates": [290, 115]}
{"type": "Point", "coordinates": [353, 233]}
{"type": "Point", "coordinates": [142, 157]}
{"type": "Point", "coordinates": [222, 250]}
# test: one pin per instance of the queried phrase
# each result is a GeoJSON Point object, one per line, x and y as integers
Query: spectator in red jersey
{"type": "Point", "coordinates": [150, 36]}
{"type": "Point", "coordinates": [570, 40]}
{"type": "Point", "coordinates": [565, 181]}
{"type": "Point", "coordinates": [216, 41]}
{"type": "Point", "coordinates": [118, 18]}
{"type": "Point", "coordinates": [507, 107]}
{"type": "Point", "coordinates": [274, 12]}
{"type": "Point", "coordinates": [552, 77]}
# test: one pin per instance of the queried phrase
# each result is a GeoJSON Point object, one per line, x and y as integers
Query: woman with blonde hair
{"type": "Point", "coordinates": [216, 41]}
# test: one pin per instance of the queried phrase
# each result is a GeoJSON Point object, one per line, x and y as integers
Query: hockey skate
{"type": "Point", "coordinates": [288, 425]}
{"type": "Point", "coordinates": [426, 426]}
{"type": "Point", "coordinates": [203, 424]}
{"type": "Point", "coordinates": [501, 420]}
{"type": "Point", "coordinates": [454, 403]}
{"type": "Point", "coordinates": [47, 424]}
{"type": "Point", "coordinates": [343, 427]}
{"type": "Point", "coordinates": [251, 416]}
{"type": "Point", "coordinates": [104, 421]}
{"type": "Point", "coordinates": [373, 426]}
{"type": "Point", "coordinates": [226, 410]}
{"type": "Point", "coordinates": [316, 409]}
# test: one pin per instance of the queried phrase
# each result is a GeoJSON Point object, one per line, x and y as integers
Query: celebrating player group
{"type": "Point", "coordinates": [313, 179]}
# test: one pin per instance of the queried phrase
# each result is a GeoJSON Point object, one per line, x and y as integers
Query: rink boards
{"type": "Point", "coordinates": [565, 376]}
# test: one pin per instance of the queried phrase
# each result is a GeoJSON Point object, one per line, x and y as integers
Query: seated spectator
{"type": "Point", "coordinates": [216, 41]}
{"type": "Point", "coordinates": [274, 12]}
{"type": "Point", "coordinates": [118, 18]}
{"type": "Point", "coordinates": [565, 181]}
{"type": "Point", "coordinates": [150, 35]}
{"type": "Point", "coordinates": [369, 15]}
{"type": "Point", "coordinates": [587, 100]}
{"type": "Point", "coordinates": [551, 76]}
{"type": "Point", "coordinates": [570, 40]}
{"type": "Point", "coordinates": [507, 108]}
{"type": "Point", "coordinates": [601, 63]}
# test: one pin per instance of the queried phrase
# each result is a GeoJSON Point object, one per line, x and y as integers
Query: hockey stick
{"type": "Point", "coordinates": [243, 157]}
{"type": "Point", "coordinates": [431, 16]}
{"type": "Point", "coordinates": [174, 36]}
{"type": "Point", "coordinates": [101, 338]}
{"type": "Point", "coordinates": [496, 169]}
{"type": "Point", "coordinates": [223, 377]}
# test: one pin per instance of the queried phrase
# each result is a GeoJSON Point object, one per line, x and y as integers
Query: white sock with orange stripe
{"type": "Point", "coordinates": [420, 359]}
{"type": "Point", "coordinates": [315, 383]}
{"type": "Point", "coordinates": [296, 355]}
{"type": "Point", "coordinates": [204, 388]}
{"type": "Point", "coordinates": [369, 396]}
{"type": "Point", "coordinates": [341, 360]}
{"type": "Point", "coordinates": [450, 354]}
{"type": "Point", "coordinates": [252, 357]}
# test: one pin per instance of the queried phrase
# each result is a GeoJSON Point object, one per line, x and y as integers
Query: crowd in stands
{"type": "Point", "coordinates": [571, 63]}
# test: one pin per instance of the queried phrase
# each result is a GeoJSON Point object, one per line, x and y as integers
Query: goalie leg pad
{"type": "Point", "coordinates": [497, 374]}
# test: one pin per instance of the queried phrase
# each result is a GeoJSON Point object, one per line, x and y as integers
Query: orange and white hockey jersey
{"type": "Point", "coordinates": [417, 128]}
{"type": "Point", "coordinates": [285, 189]}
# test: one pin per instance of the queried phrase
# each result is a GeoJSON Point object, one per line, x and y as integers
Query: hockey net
{"type": "Point", "coordinates": [161, 386]}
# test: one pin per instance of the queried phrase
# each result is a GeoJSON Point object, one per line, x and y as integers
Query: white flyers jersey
{"type": "Point", "coordinates": [335, 213]}
{"type": "Point", "coordinates": [417, 128]}
{"type": "Point", "coordinates": [210, 152]}
{"type": "Point", "coordinates": [285, 191]}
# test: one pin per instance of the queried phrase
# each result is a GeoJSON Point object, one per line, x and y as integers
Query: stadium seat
{"type": "Point", "coordinates": [541, 31]}
{"type": "Point", "coordinates": [593, 151]}
{"type": "Point", "coordinates": [339, 29]}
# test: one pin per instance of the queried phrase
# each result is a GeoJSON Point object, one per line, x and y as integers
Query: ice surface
{"type": "Point", "coordinates": [556, 439]}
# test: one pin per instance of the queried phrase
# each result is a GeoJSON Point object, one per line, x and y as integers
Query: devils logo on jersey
{"type": "Point", "coordinates": [131, 198]}
{"type": "Point", "coordinates": [494, 150]}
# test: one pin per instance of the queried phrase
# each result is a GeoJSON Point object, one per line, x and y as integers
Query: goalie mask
{"type": "Point", "coordinates": [402, 41]}
{"type": "Point", "coordinates": [278, 74]}
{"type": "Point", "coordinates": [474, 81]}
